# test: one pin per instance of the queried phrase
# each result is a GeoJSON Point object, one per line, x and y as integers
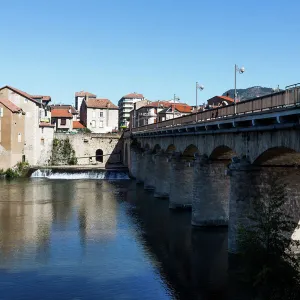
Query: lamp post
{"type": "Point", "coordinates": [241, 71]}
{"type": "Point", "coordinates": [201, 88]}
{"type": "Point", "coordinates": [174, 99]}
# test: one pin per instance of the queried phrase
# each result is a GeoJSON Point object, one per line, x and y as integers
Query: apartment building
{"type": "Point", "coordinates": [126, 105]}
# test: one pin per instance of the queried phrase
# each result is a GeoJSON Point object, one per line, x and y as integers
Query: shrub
{"type": "Point", "coordinates": [11, 174]}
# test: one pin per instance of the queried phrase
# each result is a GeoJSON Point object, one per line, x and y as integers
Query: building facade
{"type": "Point", "coordinates": [80, 96]}
{"type": "Point", "coordinates": [12, 121]}
{"type": "Point", "coordinates": [99, 115]}
{"type": "Point", "coordinates": [126, 105]}
{"type": "Point", "coordinates": [34, 135]}
{"type": "Point", "coordinates": [62, 117]}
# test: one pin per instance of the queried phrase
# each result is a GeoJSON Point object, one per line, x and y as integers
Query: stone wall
{"type": "Point", "coordinates": [85, 147]}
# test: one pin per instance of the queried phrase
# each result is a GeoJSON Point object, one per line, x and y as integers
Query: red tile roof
{"type": "Point", "coordinates": [21, 93]}
{"type": "Point", "coordinates": [226, 98]}
{"type": "Point", "coordinates": [77, 125]}
{"type": "Point", "coordinates": [181, 107]}
{"type": "Point", "coordinates": [133, 96]}
{"type": "Point", "coordinates": [44, 124]}
{"type": "Point", "coordinates": [61, 113]}
{"type": "Point", "coordinates": [100, 103]}
{"type": "Point", "coordinates": [83, 94]}
{"type": "Point", "coordinates": [64, 106]}
{"type": "Point", "coordinates": [11, 106]}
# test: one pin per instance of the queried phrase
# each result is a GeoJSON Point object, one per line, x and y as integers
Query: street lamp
{"type": "Point", "coordinates": [201, 88]}
{"type": "Point", "coordinates": [241, 71]}
{"type": "Point", "coordinates": [174, 99]}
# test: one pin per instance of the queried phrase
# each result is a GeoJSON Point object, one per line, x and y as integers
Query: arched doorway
{"type": "Point", "coordinates": [99, 155]}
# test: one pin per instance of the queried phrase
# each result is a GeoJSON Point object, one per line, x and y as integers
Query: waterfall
{"type": "Point", "coordinates": [78, 174]}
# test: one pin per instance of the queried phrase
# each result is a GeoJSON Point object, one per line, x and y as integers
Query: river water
{"type": "Point", "coordinates": [103, 239]}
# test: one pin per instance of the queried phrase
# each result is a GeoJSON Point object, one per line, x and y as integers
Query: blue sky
{"type": "Point", "coordinates": [157, 47]}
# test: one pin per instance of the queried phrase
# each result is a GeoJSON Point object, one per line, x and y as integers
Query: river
{"type": "Point", "coordinates": [103, 239]}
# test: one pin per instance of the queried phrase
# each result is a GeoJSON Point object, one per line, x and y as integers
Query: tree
{"type": "Point", "coordinates": [267, 250]}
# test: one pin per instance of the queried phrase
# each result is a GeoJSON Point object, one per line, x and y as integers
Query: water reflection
{"type": "Point", "coordinates": [94, 239]}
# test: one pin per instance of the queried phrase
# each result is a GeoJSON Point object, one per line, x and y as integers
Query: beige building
{"type": "Point", "coordinates": [11, 134]}
{"type": "Point", "coordinates": [80, 96]}
{"type": "Point", "coordinates": [99, 115]}
{"type": "Point", "coordinates": [37, 117]}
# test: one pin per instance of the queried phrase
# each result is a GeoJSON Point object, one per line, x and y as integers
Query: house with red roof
{"type": "Point", "coordinates": [99, 115]}
{"type": "Point", "coordinates": [63, 117]}
{"type": "Point", "coordinates": [159, 111]}
{"type": "Point", "coordinates": [219, 101]}
{"type": "Point", "coordinates": [38, 131]}
{"type": "Point", "coordinates": [12, 123]}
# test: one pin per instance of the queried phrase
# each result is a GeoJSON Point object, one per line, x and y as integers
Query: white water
{"type": "Point", "coordinates": [106, 175]}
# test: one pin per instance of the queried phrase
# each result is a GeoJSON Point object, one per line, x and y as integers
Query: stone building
{"type": "Point", "coordinates": [12, 121]}
{"type": "Point", "coordinates": [36, 138]}
{"type": "Point", "coordinates": [99, 115]}
{"type": "Point", "coordinates": [126, 105]}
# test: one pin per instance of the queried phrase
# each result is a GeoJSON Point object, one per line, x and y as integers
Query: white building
{"type": "Point", "coordinates": [80, 96]}
{"type": "Point", "coordinates": [126, 105]}
{"type": "Point", "coordinates": [99, 115]}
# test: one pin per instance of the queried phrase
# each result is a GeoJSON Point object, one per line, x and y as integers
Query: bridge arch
{"type": "Point", "coordinates": [171, 148]}
{"type": "Point", "coordinates": [222, 153]}
{"type": "Point", "coordinates": [278, 156]}
{"type": "Point", "coordinates": [190, 151]}
{"type": "Point", "coordinates": [156, 148]}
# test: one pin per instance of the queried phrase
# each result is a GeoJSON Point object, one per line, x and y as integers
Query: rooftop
{"type": "Point", "coordinates": [133, 96]}
{"type": "Point", "coordinates": [77, 125]}
{"type": "Point", "coordinates": [11, 106]}
{"type": "Point", "coordinates": [100, 103]}
{"type": "Point", "coordinates": [83, 94]}
{"type": "Point", "coordinates": [61, 113]}
{"type": "Point", "coordinates": [21, 93]}
{"type": "Point", "coordinates": [65, 106]}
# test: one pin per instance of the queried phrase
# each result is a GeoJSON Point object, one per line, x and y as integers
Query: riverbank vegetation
{"type": "Point", "coordinates": [63, 153]}
{"type": "Point", "coordinates": [267, 253]}
{"type": "Point", "coordinates": [20, 170]}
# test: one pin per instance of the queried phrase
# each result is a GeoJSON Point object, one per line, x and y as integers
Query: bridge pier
{"type": "Point", "coordinates": [149, 170]}
{"type": "Point", "coordinates": [181, 191]}
{"type": "Point", "coordinates": [162, 175]}
{"type": "Point", "coordinates": [133, 167]}
{"type": "Point", "coordinates": [141, 163]}
{"type": "Point", "coordinates": [245, 183]}
{"type": "Point", "coordinates": [210, 205]}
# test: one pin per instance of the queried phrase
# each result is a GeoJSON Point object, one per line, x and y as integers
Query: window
{"type": "Point", "coordinates": [93, 123]}
{"type": "Point", "coordinates": [94, 113]}
{"type": "Point", "coordinates": [19, 137]}
{"type": "Point", "coordinates": [1, 111]}
{"type": "Point", "coordinates": [101, 124]}
{"type": "Point", "coordinates": [42, 141]}
{"type": "Point", "coordinates": [63, 122]}
{"type": "Point", "coordinates": [52, 121]}
{"type": "Point", "coordinates": [101, 114]}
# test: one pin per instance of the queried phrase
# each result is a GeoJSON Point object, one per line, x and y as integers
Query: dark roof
{"type": "Point", "coordinates": [100, 103]}
{"type": "Point", "coordinates": [41, 97]}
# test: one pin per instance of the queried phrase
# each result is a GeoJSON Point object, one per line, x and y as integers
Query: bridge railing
{"type": "Point", "coordinates": [287, 98]}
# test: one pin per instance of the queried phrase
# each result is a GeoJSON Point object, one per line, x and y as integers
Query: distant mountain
{"type": "Point", "coordinates": [252, 92]}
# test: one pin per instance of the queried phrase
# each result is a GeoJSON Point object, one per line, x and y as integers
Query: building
{"type": "Point", "coordinates": [77, 126]}
{"type": "Point", "coordinates": [63, 116]}
{"type": "Point", "coordinates": [80, 96]}
{"type": "Point", "coordinates": [158, 111]}
{"type": "Point", "coordinates": [38, 131]}
{"type": "Point", "coordinates": [12, 123]}
{"type": "Point", "coordinates": [99, 115]}
{"type": "Point", "coordinates": [126, 105]}
{"type": "Point", "coordinates": [219, 101]}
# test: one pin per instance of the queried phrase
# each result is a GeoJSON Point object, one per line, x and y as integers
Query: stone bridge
{"type": "Point", "coordinates": [217, 166]}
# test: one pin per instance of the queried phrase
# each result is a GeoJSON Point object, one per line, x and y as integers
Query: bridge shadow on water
{"type": "Point", "coordinates": [193, 262]}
